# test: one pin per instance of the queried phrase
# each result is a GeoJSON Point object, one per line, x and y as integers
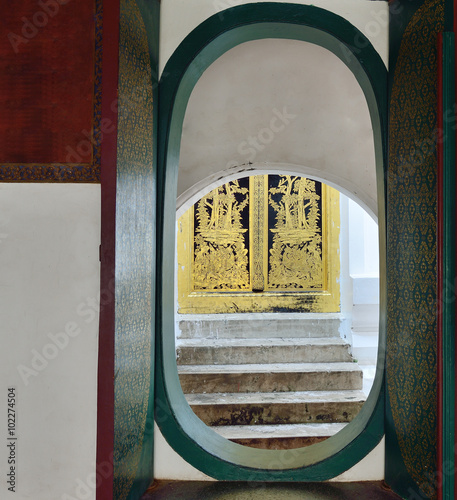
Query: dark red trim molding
{"type": "Point", "coordinates": [35, 152]}
{"type": "Point", "coordinates": [105, 398]}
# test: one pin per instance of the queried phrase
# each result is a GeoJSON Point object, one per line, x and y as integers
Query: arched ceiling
{"type": "Point", "coordinates": [279, 104]}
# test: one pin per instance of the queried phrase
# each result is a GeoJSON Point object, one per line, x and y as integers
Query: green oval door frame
{"type": "Point", "coordinates": [188, 435]}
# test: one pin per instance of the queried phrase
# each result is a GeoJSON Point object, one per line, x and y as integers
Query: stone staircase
{"type": "Point", "coordinates": [268, 391]}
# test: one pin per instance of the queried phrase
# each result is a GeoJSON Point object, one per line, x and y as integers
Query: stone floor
{"type": "Point", "coordinates": [201, 490]}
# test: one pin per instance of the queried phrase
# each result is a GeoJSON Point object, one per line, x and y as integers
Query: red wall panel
{"type": "Point", "coordinates": [47, 82]}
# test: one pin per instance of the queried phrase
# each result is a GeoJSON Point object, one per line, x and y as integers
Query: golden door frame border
{"type": "Point", "coordinates": [316, 301]}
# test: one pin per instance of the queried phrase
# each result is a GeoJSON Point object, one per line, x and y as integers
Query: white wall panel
{"type": "Point", "coordinates": [49, 283]}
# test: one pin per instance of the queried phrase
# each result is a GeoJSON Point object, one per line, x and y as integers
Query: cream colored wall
{"type": "Point", "coordinates": [311, 118]}
{"type": "Point", "coordinates": [371, 468]}
{"type": "Point", "coordinates": [171, 466]}
{"type": "Point", "coordinates": [49, 283]}
{"type": "Point", "coordinates": [179, 17]}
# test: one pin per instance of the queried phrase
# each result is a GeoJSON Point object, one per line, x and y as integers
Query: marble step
{"type": "Point", "coordinates": [276, 350]}
{"type": "Point", "coordinates": [271, 377]}
{"type": "Point", "coordinates": [259, 325]}
{"type": "Point", "coordinates": [279, 437]}
{"type": "Point", "coordinates": [276, 407]}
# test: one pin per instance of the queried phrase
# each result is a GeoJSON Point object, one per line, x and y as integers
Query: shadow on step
{"type": "Point", "coordinates": [221, 490]}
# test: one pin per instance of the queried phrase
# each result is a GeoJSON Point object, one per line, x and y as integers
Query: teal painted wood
{"type": "Point", "coordinates": [401, 12]}
{"type": "Point", "coordinates": [135, 250]}
{"type": "Point", "coordinates": [449, 16]}
{"type": "Point", "coordinates": [195, 442]}
{"type": "Point", "coordinates": [448, 293]}
{"type": "Point", "coordinates": [411, 368]}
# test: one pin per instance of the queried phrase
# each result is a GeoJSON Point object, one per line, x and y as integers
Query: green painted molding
{"type": "Point", "coordinates": [401, 13]}
{"type": "Point", "coordinates": [135, 249]}
{"type": "Point", "coordinates": [192, 439]}
{"type": "Point", "coordinates": [411, 374]}
{"type": "Point", "coordinates": [449, 268]}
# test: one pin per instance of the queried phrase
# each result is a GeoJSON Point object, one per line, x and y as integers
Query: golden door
{"type": "Point", "coordinates": [266, 243]}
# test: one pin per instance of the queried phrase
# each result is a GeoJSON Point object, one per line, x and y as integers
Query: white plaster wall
{"type": "Point", "coordinates": [364, 272]}
{"type": "Point", "coordinates": [173, 466]}
{"type": "Point", "coordinates": [363, 243]}
{"type": "Point", "coordinates": [169, 465]}
{"type": "Point", "coordinates": [49, 273]}
{"type": "Point", "coordinates": [345, 279]}
{"type": "Point", "coordinates": [179, 17]}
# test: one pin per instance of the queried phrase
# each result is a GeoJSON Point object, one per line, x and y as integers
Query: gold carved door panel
{"type": "Point", "coordinates": [265, 243]}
